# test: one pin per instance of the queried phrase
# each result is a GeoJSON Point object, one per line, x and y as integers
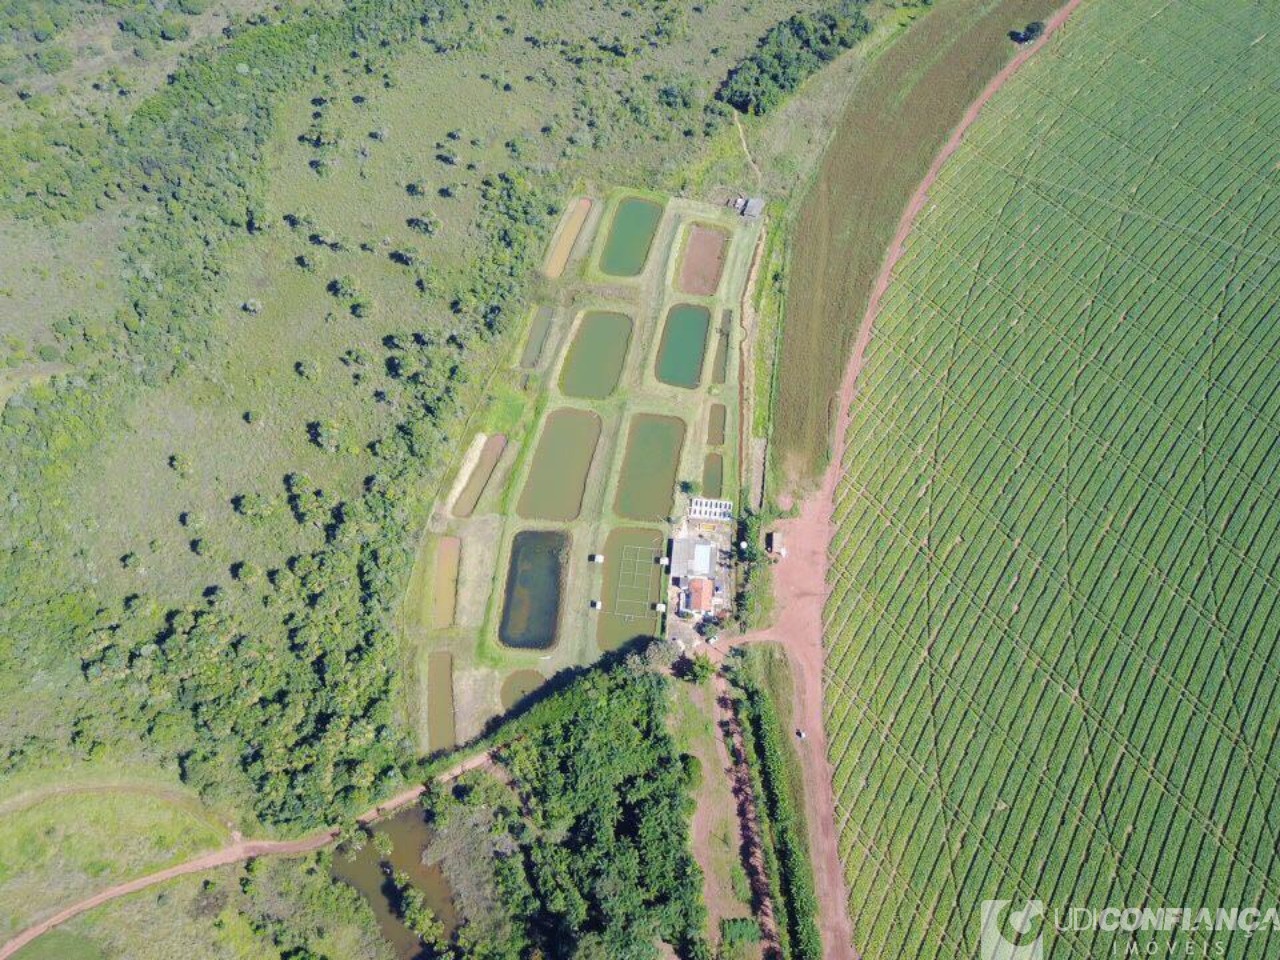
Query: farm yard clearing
{"type": "Point", "coordinates": [596, 448]}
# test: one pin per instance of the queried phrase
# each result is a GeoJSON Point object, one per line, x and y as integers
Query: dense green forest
{"type": "Point", "coordinates": [792, 51]}
{"type": "Point", "coordinates": [587, 849]}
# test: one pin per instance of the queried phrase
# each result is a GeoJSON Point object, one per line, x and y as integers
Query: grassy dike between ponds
{"type": "Point", "coordinates": [900, 114]}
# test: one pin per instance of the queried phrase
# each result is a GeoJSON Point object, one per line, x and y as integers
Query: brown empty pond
{"type": "Point", "coordinates": [703, 260]}
{"type": "Point", "coordinates": [571, 226]}
{"type": "Point", "coordinates": [481, 473]}
{"type": "Point", "coordinates": [558, 477]}
{"type": "Point", "coordinates": [444, 602]}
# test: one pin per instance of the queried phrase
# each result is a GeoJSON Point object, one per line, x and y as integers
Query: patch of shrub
{"type": "Point", "coordinates": [790, 52]}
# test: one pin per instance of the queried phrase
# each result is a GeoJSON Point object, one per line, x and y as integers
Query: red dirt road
{"type": "Point", "coordinates": [232, 853]}
{"type": "Point", "coordinates": [800, 581]}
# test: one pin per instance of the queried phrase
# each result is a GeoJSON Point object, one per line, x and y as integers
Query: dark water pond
{"type": "Point", "coordinates": [535, 579]}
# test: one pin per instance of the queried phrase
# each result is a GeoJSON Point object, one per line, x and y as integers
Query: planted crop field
{"type": "Point", "coordinates": [899, 115]}
{"type": "Point", "coordinates": [1052, 636]}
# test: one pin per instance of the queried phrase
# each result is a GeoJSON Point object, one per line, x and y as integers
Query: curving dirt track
{"type": "Point", "coordinates": [800, 581]}
{"type": "Point", "coordinates": [232, 853]}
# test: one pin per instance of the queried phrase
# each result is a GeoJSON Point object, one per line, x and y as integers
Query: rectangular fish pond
{"type": "Point", "coordinates": [713, 476]}
{"type": "Point", "coordinates": [539, 329]}
{"type": "Point", "coordinates": [684, 345]}
{"type": "Point", "coordinates": [558, 476]}
{"type": "Point", "coordinates": [595, 358]}
{"type": "Point", "coordinates": [715, 425]}
{"type": "Point", "coordinates": [720, 366]}
{"type": "Point", "coordinates": [441, 733]}
{"type": "Point", "coordinates": [646, 487]}
{"type": "Point", "coordinates": [633, 582]}
{"type": "Point", "coordinates": [448, 558]}
{"type": "Point", "coordinates": [367, 873]}
{"type": "Point", "coordinates": [566, 237]}
{"type": "Point", "coordinates": [535, 582]}
{"type": "Point", "coordinates": [635, 221]}
{"type": "Point", "coordinates": [703, 260]}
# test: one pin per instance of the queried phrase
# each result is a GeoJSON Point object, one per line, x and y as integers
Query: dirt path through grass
{"type": "Point", "coordinates": [232, 853]}
{"type": "Point", "coordinates": [800, 581]}
{"type": "Point", "coordinates": [742, 138]}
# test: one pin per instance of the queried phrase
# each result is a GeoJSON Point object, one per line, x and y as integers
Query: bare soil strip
{"type": "Point", "coordinates": [232, 853]}
{"type": "Point", "coordinates": [566, 237]}
{"type": "Point", "coordinates": [800, 581]}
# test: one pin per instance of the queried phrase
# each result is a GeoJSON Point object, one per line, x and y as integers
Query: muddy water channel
{"type": "Point", "coordinates": [371, 876]}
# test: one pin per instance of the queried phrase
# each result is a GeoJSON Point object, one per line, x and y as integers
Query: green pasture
{"type": "Point", "coordinates": [62, 839]}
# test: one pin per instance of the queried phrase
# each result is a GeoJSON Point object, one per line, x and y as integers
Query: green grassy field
{"type": "Point", "coordinates": [272, 909]}
{"type": "Point", "coordinates": [1053, 628]}
{"type": "Point", "coordinates": [66, 835]}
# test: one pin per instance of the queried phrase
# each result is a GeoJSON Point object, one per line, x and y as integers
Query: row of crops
{"type": "Point", "coordinates": [1053, 665]}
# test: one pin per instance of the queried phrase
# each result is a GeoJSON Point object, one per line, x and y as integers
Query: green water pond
{"type": "Point", "coordinates": [630, 237]}
{"type": "Point", "coordinates": [646, 486]}
{"type": "Point", "coordinates": [595, 358]}
{"type": "Point", "coordinates": [683, 346]}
